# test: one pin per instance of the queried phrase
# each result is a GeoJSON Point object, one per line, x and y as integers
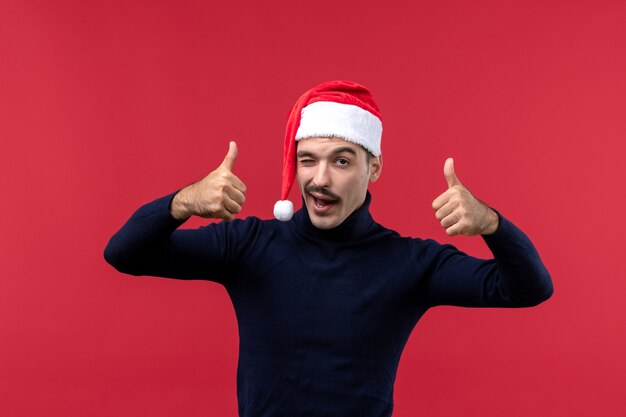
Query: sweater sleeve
{"type": "Point", "coordinates": [516, 277]}
{"type": "Point", "coordinates": [150, 244]}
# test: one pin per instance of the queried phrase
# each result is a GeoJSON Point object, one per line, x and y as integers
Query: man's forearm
{"type": "Point", "coordinates": [520, 268]}
{"type": "Point", "coordinates": [130, 249]}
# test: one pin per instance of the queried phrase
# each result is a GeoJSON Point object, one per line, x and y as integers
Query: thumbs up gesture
{"type": "Point", "coordinates": [219, 195]}
{"type": "Point", "coordinates": [459, 211]}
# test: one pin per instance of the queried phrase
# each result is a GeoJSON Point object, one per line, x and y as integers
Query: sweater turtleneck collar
{"type": "Point", "coordinates": [353, 227]}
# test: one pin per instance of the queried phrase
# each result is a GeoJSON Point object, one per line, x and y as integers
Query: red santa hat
{"type": "Point", "coordinates": [342, 109]}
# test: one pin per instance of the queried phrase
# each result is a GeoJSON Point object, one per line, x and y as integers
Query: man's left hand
{"type": "Point", "coordinates": [459, 211]}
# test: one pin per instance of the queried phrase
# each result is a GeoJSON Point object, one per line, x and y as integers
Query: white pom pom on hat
{"type": "Point", "coordinates": [283, 210]}
{"type": "Point", "coordinates": [341, 109]}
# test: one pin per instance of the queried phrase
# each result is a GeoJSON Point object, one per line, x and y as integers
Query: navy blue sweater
{"type": "Point", "coordinates": [323, 315]}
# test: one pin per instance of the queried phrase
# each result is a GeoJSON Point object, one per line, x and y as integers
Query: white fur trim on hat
{"type": "Point", "coordinates": [346, 121]}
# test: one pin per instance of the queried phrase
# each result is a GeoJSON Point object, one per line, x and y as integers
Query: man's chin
{"type": "Point", "coordinates": [324, 225]}
{"type": "Point", "coordinates": [325, 222]}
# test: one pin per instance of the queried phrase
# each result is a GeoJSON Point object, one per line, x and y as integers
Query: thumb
{"type": "Point", "coordinates": [231, 156]}
{"type": "Point", "coordinates": [448, 172]}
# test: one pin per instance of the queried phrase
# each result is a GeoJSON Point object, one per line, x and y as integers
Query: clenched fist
{"type": "Point", "coordinates": [459, 211]}
{"type": "Point", "coordinates": [219, 195]}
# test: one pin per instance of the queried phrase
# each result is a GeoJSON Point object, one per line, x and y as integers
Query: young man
{"type": "Point", "coordinates": [326, 300]}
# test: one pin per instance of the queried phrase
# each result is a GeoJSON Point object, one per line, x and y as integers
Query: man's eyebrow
{"type": "Point", "coordinates": [344, 149]}
{"type": "Point", "coordinates": [347, 149]}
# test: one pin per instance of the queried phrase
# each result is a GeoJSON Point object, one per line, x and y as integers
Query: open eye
{"type": "Point", "coordinates": [343, 162]}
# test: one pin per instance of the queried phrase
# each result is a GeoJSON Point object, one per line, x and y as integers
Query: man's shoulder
{"type": "Point", "coordinates": [389, 233]}
{"type": "Point", "coordinates": [417, 243]}
{"type": "Point", "coordinates": [246, 225]}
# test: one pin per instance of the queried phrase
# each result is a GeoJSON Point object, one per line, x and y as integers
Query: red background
{"type": "Point", "coordinates": [106, 105]}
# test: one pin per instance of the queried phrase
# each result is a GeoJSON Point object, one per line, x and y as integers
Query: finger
{"type": "Point", "coordinates": [455, 229]}
{"type": "Point", "coordinates": [238, 184]}
{"type": "Point", "coordinates": [231, 156]}
{"type": "Point", "coordinates": [444, 211]}
{"type": "Point", "coordinates": [458, 228]}
{"type": "Point", "coordinates": [226, 215]}
{"type": "Point", "coordinates": [442, 199]}
{"type": "Point", "coordinates": [448, 172]}
{"type": "Point", "coordinates": [231, 206]}
{"type": "Point", "coordinates": [450, 220]}
{"type": "Point", "coordinates": [235, 195]}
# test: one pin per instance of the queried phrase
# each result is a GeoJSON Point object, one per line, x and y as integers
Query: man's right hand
{"type": "Point", "coordinates": [219, 195]}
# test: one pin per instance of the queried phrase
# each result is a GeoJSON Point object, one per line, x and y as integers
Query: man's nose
{"type": "Point", "coordinates": [322, 177]}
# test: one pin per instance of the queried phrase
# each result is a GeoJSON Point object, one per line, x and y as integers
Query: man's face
{"type": "Point", "coordinates": [333, 176]}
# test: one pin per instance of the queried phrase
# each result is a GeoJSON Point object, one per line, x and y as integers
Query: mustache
{"type": "Point", "coordinates": [312, 188]}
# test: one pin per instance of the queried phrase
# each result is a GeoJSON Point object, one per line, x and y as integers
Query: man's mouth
{"type": "Point", "coordinates": [323, 200]}
{"type": "Point", "coordinates": [322, 203]}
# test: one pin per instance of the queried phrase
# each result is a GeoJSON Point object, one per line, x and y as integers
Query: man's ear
{"type": "Point", "coordinates": [376, 167]}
